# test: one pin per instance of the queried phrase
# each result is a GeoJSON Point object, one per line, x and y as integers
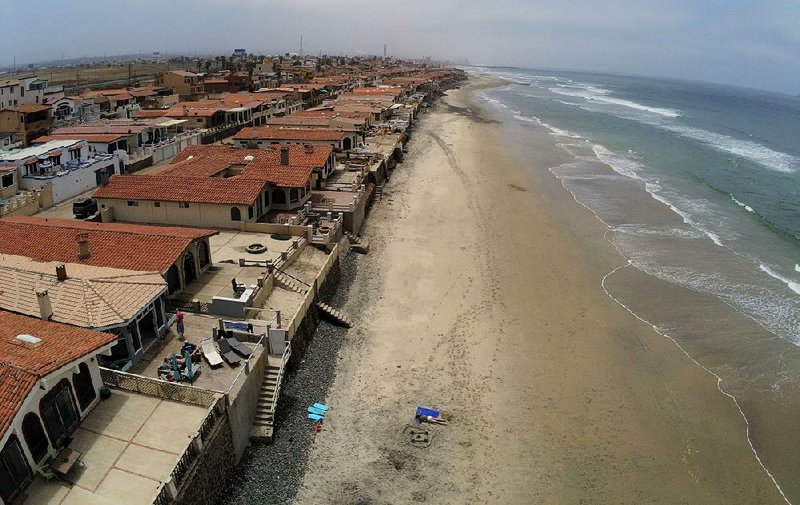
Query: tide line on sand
{"type": "Point", "coordinates": [707, 370]}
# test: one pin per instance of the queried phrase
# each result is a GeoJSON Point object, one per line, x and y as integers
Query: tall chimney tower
{"type": "Point", "coordinates": [83, 246]}
{"type": "Point", "coordinates": [45, 306]}
{"type": "Point", "coordinates": [384, 51]}
{"type": "Point", "coordinates": [61, 272]}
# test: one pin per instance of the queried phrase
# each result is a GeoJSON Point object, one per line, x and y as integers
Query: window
{"type": "Point", "coordinates": [58, 412]}
{"type": "Point", "coordinates": [236, 214]}
{"type": "Point", "coordinates": [35, 438]}
{"type": "Point", "coordinates": [183, 205]}
{"type": "Point", "coordinates": [84, 388]}
{"type": "Point", "coordinates": [14, 470]}
{"type": "Point", "coordinates": [135, 337]}
{"type": "Point", "coordinates": [8, 180]}
{"type": "Point", "coordinates": [133, 203]}
{"type": "Point", "coordinates": [293, 195]}
{"type": "Point", "coordinates": [156, 204]}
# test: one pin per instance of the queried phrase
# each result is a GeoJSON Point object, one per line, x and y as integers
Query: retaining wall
{"type": "Point", "coordinates": [205, 482]}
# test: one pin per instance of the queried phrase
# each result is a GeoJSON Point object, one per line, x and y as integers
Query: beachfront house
{"type": "Point", "coordinates": [66, 165]}
{"type": "Point", "coordinates": [126, 303]}
{"type": "Point", "coordinates": [259, 138]}
{"type": "Point", "coordinates": [180, 255]}
{"type": "Point", "coordinates": [218, 186]}
{"type": "Point", "coordinates": [49, 381]}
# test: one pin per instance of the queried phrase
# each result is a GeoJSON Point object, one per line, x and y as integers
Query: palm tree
{"type": "Point", "coordinates": [208, 66]}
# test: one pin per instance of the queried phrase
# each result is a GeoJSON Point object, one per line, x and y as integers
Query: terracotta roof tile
{"type": "Point", "coordinates": [287, 133]}
{"type": "Point", "coordinates": [22, 365]}
{"type": "Point", "coordinates": [234, 191]}
{"type": "Point", "coordinates": [144, 113]}
{"type": "Point", "coordinates": [30, 107]}
{"type": "Point", "coordinates": [90, 297]}
{"type": "Point", "coordinates": [207, 160]}
{"type": "Point", "coordinates": [116, 245]}
{"type": "Point", "coordinates": [88, 137]}
{"type": "Point", "coordinates": [15, 384]}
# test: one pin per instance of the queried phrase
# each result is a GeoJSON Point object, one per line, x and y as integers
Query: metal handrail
{"type": "Point", "coordinates": [287, 353]}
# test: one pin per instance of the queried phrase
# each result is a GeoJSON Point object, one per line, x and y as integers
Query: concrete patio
{"type": "Point", "coordinates": [197, 328]}
{"type": "Point", "coordinates": [130, 444]}
{"type": "Point", "coordinates": [226, 250]}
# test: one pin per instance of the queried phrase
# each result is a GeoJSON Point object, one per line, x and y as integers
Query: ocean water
{"type": "Point", "coordinates": [699, 187]}
{"type": "Point", "coordinates": [725, 161]}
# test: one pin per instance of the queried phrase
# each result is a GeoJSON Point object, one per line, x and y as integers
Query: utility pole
{"type": "Point", "coordinates": [301, 47]}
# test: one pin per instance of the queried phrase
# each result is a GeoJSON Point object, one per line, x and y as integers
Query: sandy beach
{"type": "Point", "coordinates": [482, 295]}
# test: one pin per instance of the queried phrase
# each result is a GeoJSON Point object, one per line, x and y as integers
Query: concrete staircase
{"type": "Point", "coordinates": [379, 193]}
{"type": "Point", "coordinates": [264, 420]}
{"type": "Point", "coordinates": [334, 315]}
{"type": "Point", "coordinates": [286, 282]}
{"type": "Point", "coordinates": [357, 244]}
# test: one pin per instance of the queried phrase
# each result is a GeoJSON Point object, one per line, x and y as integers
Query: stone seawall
{"type": "Point", "coordinates": [216, 465]}
{"type": "Point", "coordinates": [305, 330]}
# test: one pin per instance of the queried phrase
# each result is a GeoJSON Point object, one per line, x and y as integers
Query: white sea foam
{"type": "Point", "coordinates": [743, 205]}
{"type": "Point", "coordinates": [596, 94]}
{"type": "Point", "coordinates": [793, 285]}
{"type": "Point", "coordinates": [797, 267]}
{"type": "Point", "coordinates": [635, 170]}
{"type": "Point", "coordinates": [749, 150]}
{"type": "Point", "coordinates": [633, 105]}
{"type": "Point", "coordinates": [553, 129]}
{"type": "Point", "coordinates": [560, 132]}
{"type": "Point", "coordinates": [568, 103]}
{"type": "Point", "coordinates": [621, 165]}
{"type": "Point", "coordinates": [527, 119]}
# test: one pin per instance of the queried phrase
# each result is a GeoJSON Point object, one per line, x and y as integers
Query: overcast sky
{"type": "Point", "coordinates": [752, 43]}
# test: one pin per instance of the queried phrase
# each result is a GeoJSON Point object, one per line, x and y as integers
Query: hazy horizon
{"type": "Point", "coordinates": [740, 42]}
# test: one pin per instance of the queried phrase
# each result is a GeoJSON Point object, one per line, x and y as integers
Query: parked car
{"type": "Point", "coordinates": [85, 207]}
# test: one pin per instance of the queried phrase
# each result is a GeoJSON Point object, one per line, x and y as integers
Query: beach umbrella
{"type": "Point", "coordinates": [187, 356]}
{"type": "Point", "coordinates": [176, 372]}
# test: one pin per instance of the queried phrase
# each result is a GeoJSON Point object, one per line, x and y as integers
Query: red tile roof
{"type": "Point", "coordinates": [117, 245]}
{"type": "Point", "coordinates": [207, 160]}
{"type": "Point", "coordinates": [165, 188]}
{"type": "Point", "coordinates": [150, 113]}
{"type": "Point", "coordinates": [30, 107]}
{"type": "Point", "coordinates": [284, 133]}
{"type": "Point", "coordinates": [22, 365]}
{"type": "Point", "coordinates": [193, 109]}
{"type": "Point", "coordinates": [15, 385]}
{"type": "Point", "coordinates": [89, 137]}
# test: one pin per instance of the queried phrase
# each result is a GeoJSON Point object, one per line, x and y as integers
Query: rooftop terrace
{"type": "Point", "coordinates": [130, 444]}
